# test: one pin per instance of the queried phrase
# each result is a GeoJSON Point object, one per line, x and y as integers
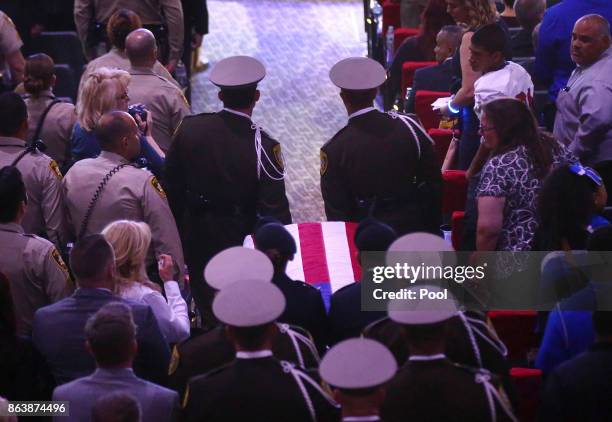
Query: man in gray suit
{"type": "Point", "coordinates": [58, 329]}
{"type": "Point", "coordinates": [111, 339]}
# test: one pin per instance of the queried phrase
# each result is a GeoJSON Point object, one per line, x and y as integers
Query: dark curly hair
{"type": "Point", "coordinates": [433, 19]}
{"type": "Point", "coordinates": [565, 206]}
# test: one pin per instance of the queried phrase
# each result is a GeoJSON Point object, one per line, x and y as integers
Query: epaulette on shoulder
{"type": "Point", "coordinates": [212, 372]}
{"type": "Point", "coordinates": [477, 371]}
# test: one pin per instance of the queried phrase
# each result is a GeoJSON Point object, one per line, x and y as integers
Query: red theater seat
{"type": "Point", "coordinates": [517, 330]}
{"type": "Point", "coordinates": [442, 139]}
{"type": "Point", "coordinates": [454, 191]}
{"type": "Point", "coordinates": [408, 69]}
{"type": "Point", "coordinates": [457, 228]}
{"type": "Point", "coordinates": [528, 383]}
{"type": "Point", "coordinates": [422, 107]}
{"type": "Point", "coordinates": [391, 15]}
{"type": "Point", "coordinates": [400, 34]}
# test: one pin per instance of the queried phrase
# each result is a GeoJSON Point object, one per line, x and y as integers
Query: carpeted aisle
{"type": "Point", "coordinates": [298, 41]}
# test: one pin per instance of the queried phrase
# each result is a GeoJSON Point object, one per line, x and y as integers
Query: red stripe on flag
{"type": "Point", "coordinates": [312, 246]}
{"type": "Point", "coordinates": [351, 228]}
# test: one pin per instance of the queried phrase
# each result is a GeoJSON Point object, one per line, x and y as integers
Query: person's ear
{"type": "Point", "coordinates": [257, 95]}
{"type": "Point", "coordinates": [88, 347]}
{"type": "Point", "coordinates": [220, 95]}
{"type": "Point", "coordinates": [53, 80]}
{"type": "Point", "coordinates": [134, 347]}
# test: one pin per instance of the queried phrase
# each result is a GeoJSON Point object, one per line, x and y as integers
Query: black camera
{"type": "Point", "coordinates": [138, 110]}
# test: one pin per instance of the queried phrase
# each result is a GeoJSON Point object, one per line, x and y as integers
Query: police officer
{"type": "Point", "coordinates": [163, 17]}
{"type": "Point", "coordinates": [305, 306]}
{"type": "Point", "coordinates": [49, 118]}
{"type": "Point", "coordinates": [34, 267]}
{"type": "Point", "coordinates": [222, 170]}
{"type": "Point", "coordinates": [213, 349]}
{"type": "Point", "coordinates": [255, 386]}
{"type": "Point", "coordinates": [429, 387]}
{"type": "Point", "coordinates": [41, 174]}
{"type": "Point", "coordinates": [162, 98]}
{"type": "Point", "coordinates": [378, 163]}
{"type": "Point", "coordinates": [101, 190]}
{"type": "Point", "coordinates": [12, 62]}
{"type": "Point", "coordinates": [357, 368]}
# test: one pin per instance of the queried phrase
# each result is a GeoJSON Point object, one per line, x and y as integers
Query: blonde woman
{"type": "Point", "coordinates": [130, 241]}
{"type": "Point", "coordinates": [106, 90]}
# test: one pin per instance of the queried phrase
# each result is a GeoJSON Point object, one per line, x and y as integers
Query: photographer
{"type": "Point", "coordinates": [106, 90]}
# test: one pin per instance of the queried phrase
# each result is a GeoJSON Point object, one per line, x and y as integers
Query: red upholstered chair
{"type": "Point", "coordinates": [408, 69]}
{"type": "Point", "coordinates": [400, 34]}
{"type": "Point", "coordinates": [517, 330]}
{"type": "Point", "coordinates": [442, 139]}
{"type": "Point", "coordinates": [528, 383]}
{"type": "Point", "coordinates": [454, 191]}
{"type": "Point", "coordinates": [391, 15]}
{"type": "Point", "coordinates": [457, 228]}
{"type": "Point", "coordinates": [422, 107]}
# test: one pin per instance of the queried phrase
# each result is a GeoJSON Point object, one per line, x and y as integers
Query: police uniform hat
{"type": "Point", "coordinates": [358, 363]}
{"type": "Point", "coordinates": [237, 72]}
{"type": "Point", "coordinates": [423, 311]}
{"type": "Point", "coordinates": [249, 303]}
{"type": "Point", "coordinates": [422, 248]}
{"type": "Point", "coordinates": [237, 263]}
{"type": "Point", "coordinates": [374, 235]}
{"type": "Point", "coordinates": [357, 74]}
{"type": "Point", "coordinates": [275, 236]}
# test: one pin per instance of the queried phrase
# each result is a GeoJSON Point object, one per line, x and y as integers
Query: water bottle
{"type": "Point", "coordinates": [389, 43]}
{"type": "Point", "coordinates": [376, 8]}
{"type": "Point", "coordinates": [181, 75]}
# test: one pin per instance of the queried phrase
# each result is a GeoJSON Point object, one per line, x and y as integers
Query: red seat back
{"type": "Point", "coordinates": [400, 34]}
{"type": "Point", "coordinates": [422, 107]}
{"type": "Point", "coordinates": [391, 15]}
{"type": "Point", "coordinates": [457, 228]}
{"type": "Point", "coordinates": [442, 139]}
{"type": "Point", "coordinates": [454, 191]}
{"type": "Point", "coordinates": [528, 383]}
{"type": "Point", "coordinates": [517, 330]}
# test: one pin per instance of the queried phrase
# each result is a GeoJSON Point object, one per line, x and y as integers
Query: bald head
{"type": "Point", "coordinates": [529, 13]}
{"type": "Point", "coordinates": [590, 39]}
{"type": "Point", "coordinates": [118, 132]}
{"type": "Point", "coordinates": [141, 48]}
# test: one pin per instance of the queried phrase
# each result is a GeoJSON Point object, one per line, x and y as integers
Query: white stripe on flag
{"type": "Point", "coordinates": [338, 254]}
{"type": "Point", "coordinates": [295, 269]}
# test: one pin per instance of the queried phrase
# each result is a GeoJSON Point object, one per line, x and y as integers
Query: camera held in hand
{"type": "Point", "coordinates": [138, 110]}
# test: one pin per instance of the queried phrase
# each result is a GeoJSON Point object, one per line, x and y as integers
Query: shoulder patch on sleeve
{"type": "Point", "coordinates": [278, 156]}
{"type": "Point", "coordinates": [55, 168]}
{"type": "Point", "coordinates": [158, 187]}
{"type": "Point", "coordinates": [323, 162]}
{"type": "Point", "coordinates": [60, 262]}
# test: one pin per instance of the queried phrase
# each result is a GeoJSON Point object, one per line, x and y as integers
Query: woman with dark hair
{"type": "Point", "coordinates": [521, 157]}
{"type": "Point", "coordinates": [49, 118]}
{"type": "Point", "coordinates": [419, 48]}
{"type": "Point", "coordinates": [568, 208]}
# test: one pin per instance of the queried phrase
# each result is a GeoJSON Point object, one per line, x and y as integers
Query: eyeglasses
{"type": "Point", "coordinates": [580, 170]}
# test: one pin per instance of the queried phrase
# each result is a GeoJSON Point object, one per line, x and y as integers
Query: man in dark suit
{"type": "Point", "coordinates": [580, 389]}
{"type": "Point", "coordinates": [438, 77]}
{"type": "Point", "coordinates": [222, 170]}
{"type": "Point", "coordinates": [379, 164]}
{"type": "Point", "coordinates": [111, 339]}
{"type": "Point", "coordinates": [58, 329]}
{"type": "Point", "coordinates": [255, 386]}
{"type": "Point", "coordinates": [305, 306]}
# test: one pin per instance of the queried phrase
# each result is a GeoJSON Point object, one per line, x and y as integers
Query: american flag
{"type": "Point", "coordinates": [326, 255]}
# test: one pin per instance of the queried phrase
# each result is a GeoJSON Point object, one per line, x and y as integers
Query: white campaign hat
{"type": "Point", "coordinates": [357, 73]}
{"type": "Point", "coordinates": [420, 311]}
{"type": "Point", "coordinates": [235, 264]}
{"type": "Point", "coordinates": [249, 303]}
{"type": "Point", "coordinates": [358, 363]}
{"type": "Point", "coordinates": [237, 72]}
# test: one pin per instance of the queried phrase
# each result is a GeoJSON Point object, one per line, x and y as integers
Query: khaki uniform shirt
{"type": "Point", "coordinates": [57, 128]}
{"type": "Point", "coordinates": [130, 194]}
{"type": "Point", "coordinates": [42, 179]}
{"type": "Point", "coordinates": [165, 101]}
{"type": "Point", "coordinates": [117, 59]}
{"type": "Point", "coordinates": [151, 12]}
{"type": "Point", "coordinates": [10, 41]}
{"type": "Point", "coordinates": [35, 270]}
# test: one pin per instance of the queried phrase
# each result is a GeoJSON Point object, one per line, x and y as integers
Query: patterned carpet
{"type": "Point", "coordinates": [298, 41]}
